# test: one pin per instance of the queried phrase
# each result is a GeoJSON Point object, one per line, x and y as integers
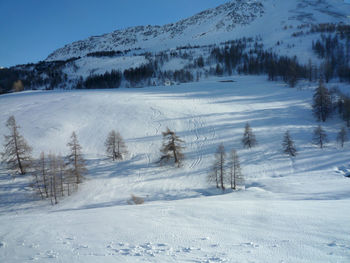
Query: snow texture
{"type": "Point", "coordinates": [293, 210]}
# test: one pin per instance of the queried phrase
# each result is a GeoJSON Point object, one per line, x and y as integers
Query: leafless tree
{"type": "Point", "coordinates": [171, 148]}
{"type": "Point", "coordinates": [76, 160]}
{"type": "Point", "coordinates": [320, 137]}
{"type": "Point", "coordinates": [236, 176]}
{"type": "Point", "coordinates": [53, 174]}
{"type": "Point", "coordinates": [38, 183]}
{"type": "Point", "coordinates": [62, 175]}
{"type": "Point", "coordinates": [288, 145]}
{"type": "Point", "coordinates": [115, 146]}
{"type": "Point", "coordinates": [213, 175]}
{"type": "Point", "coordinates": [248, 139]}
{"type": "Point", "coordinates": [342, 136]}
{"type": "Point", "coordinates": [322, 103]}
{"type": "Point", "coordinates": [44, 173]}
{"type": "Point", "coordinates": [220, 159]}
{"type": "Point", "coordinates": [51, 177]}
{"type": "Point", "coordinates": [17, 153]}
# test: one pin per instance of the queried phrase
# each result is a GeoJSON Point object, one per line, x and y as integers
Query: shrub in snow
{"type": "Point", "coordinates": [136, 200]}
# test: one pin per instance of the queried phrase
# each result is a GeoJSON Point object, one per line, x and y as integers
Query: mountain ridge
{"type": "Point", "coordinates": [225, 22]}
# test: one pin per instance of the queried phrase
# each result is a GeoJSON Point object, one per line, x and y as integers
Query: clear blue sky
{"type": "Point", "coordinates": [31, 29]}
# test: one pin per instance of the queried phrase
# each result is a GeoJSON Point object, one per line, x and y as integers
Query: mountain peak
{"type": "Point", "coordinates": [234, 19]}
{"type": "Point", "coordinates": [223, 18]}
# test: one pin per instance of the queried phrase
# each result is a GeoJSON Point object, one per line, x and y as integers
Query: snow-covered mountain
{"type": "Point", "coordinates": [271, 19]}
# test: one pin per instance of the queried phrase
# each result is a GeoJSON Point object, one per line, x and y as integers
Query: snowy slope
{"type": "Point", "coordinates": [235, 19]}
{"type": "Point", "coordinates": [290, 211]}
{"type": "Point", "coordinates": [92, 65]}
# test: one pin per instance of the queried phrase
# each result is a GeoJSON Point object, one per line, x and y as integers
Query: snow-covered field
{"type": "Point", "coordinates": [293, 210]}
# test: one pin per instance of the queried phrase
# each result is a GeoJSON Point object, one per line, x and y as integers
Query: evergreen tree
{"type": "Point", "coordinates": [320, 136]}
{"type": "Point", "coordinates": [115, 146]}
{"type": "Point", "coordinates": [236, 176]}
{"type": "Point", "coordinates": [17, 153]}
{"type": "Point", "coordinates": [75, 159]}
{"type": "Point", "coordinates": [292, 74]}
{"type": "Point", "coordinates": [248, 139]}
{"type": "Point", "coordinates": [171, 148]}
{"type": "Point", "coordinates": [288, 145]}
{"type": "Point", "coordinates": [342, 136]}
{"type": "Point", "coordinates": [322, 103]}
{"type": "Point", "coordinates": [220, 159]}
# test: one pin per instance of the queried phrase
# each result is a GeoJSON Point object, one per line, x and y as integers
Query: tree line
{"type": "Point", "coordinates": [336, 56]}
{"type": "Point", "coordinates": [327, 102]}
{"type": "Point", "coordinates": [240, 56]}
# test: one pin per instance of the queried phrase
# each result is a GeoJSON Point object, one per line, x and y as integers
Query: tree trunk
{"type": "Point", "coordinates": [38, 186]}
{"type": "Point", "coordinates": [17, 154]}
{"type": "Point", "coordinates": [54, 189]}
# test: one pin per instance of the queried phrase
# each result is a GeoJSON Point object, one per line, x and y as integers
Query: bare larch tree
{"type": "Point", "coordinates": [76, 160]}
{"type": "Point", "coordinates": [54, 173]}
{"type": "Point", "coordinates": [17, 153]}
{"type": "Point", "coordinates": [320, 137]}
{"type": "Point", "coordinates": [342, 136]}
{"type": "Point", "coordinates": [288, 145]}
{"type": "Point", "coordinates": [220, 159]}
{"type": "Point", "coordinates": [51, 177]}
{"type": "Point", "coordinates": [62, 175]}
{"type": "Point", "coordinates": [322, 103]}
{"type": "Point", "coordinates": [115, 146]}
{"type": "Point", "coordinates": [248, 139]}
{"type": "Point", "coordinates": [236, 176]}
{"type": "Point", "coordinates": [38, 182]}
{"type": "Point", "coordinates": [171, 148]}
{"type": "Point", "coordinates": [213, 175]}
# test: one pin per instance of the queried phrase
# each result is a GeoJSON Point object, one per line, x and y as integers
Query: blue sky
{"type": "Point", "coordinates": [31, 29]}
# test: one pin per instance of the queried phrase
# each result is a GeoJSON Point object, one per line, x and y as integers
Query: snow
{"type": "Point", "coordinates": [175, 64]}
{"type": "Point", "coordinates": [97, 66]}
{"type": "Point", "coordinates": [293, 210]}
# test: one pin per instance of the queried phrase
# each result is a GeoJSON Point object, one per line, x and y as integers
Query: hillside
{"type": "Point", "coordinates": [233, 20]}
{"type": "Point", "coordinates": [289, 212]}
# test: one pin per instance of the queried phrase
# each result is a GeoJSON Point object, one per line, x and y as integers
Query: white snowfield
{"type": "Point", "coordinates": [292, 211]}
